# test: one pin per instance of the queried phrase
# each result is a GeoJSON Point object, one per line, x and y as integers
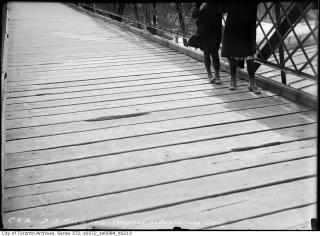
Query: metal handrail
{"type": "Point", "coordinates": [134, 21]}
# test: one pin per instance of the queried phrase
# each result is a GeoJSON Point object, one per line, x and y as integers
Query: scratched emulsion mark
{"type": "Point", "coordinates": [118, 117]}
{"type": "Point", "coordinates": [42, 94]}
{"type": "Point", "coordinates": [49, 63]}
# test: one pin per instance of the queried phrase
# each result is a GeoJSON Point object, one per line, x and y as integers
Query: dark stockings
{"type": "Point", "coordinates": [207, 62]}
{"type": "Point", "coordinates": [250, 69]}
{"type": "Point", "coordinates": [251, 73]}
{"type": "Point", "coordinates": [233, 66]}
{"type": "Point", "coordinates": [215, 61]}
{"type": "Point", "coordinates": [252, 82]}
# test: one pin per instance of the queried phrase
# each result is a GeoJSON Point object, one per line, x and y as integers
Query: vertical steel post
{"type": "Point", "coordinates": [280, 49]}
{"type": "Point", "coordinates": [136, 12]}
{"type": "Point", "coordinates": [120, 11]}
{"type": "Point", "coordinates": [148, 19]}
{"type": "Point", "coordinates": [181, 21]}
{"type": "Point", "coordinates": [154, 17]}
{"type": "Point", "coordinates": [146, 9]}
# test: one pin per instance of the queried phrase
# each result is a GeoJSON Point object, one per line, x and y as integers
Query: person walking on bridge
{"type": "Point", "coordinates": [239, 39]}
{"type": "Point", "coordinates": [209, 23]}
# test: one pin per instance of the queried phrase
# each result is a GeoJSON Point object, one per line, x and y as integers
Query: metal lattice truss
{"type": "Point", "coordinates": [287, 32]}
{"type": "Point", "coordinates": [161, 17]}
{"type": "Point", "coordinates": [289, 37]}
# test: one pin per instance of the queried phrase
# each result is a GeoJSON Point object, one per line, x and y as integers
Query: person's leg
{"type": "Point", "coordinates": [252, 81]}
{"type": "Point", "coordinates": [233, 71]}
{"type": "Point", "coordinates": [207, 63]}
{"type": "Point", "coordinates": [216, 66]}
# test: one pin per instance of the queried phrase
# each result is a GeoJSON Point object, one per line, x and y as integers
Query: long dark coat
{"type": "Point", "coordinates": [209, 26]}
{"type": "Point", "coordinates": [239, 38]}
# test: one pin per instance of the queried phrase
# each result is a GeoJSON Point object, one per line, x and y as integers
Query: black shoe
{"type": "Point", "coordinates": [254, 88]}
{"type": "Point", "coordinates": [218, 79]}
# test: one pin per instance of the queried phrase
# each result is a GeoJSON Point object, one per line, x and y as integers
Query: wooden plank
{"type": "Point", "coordinates": [96, 57]}
{"type": "Point", "coordinates": [166, 195]}
{"type": "Point", "coordinates": [119, 48]}
{"type": "Point", "coordinates": [73, 99]}
{"type": "Point", "coordinates": [122, 118]}
{"type": "Point", "coordinates": [88, 46]}
{"type": "Point", "coordinates": [130, 59]}
{"type": "Point", "coordinates": [137, 87]}
{"type": "Point", "coordinates": [284, 220]}
{"type": "Point", "coordinates": [101, 165]}
{"type": "Point", "coordinates": [120, 100]}
{"type": "Point", "coordinates": [224, 126]}
{"type": "Point", "coordinates": [202, 214]}
{"type": "Point", "coordinates": [71, 53]}
{"type": "Point", "coordinates": [123, 86]}
{"type": "Point", "coordinates": [131, 158]}
{"type": "Point", "coordinates": [158, 136]}
{"type": "Point", "coordinates": [117, 93]}
{"type": "Point", "coordinates": [116, 45]}
{"type": "Point", "coordinates": [91, 76]}
{"type": "Point", "coordinates": [30, 187]}
{"type": "Point", "coordinates": [107, 73]}
{"type": "Point", "coordinates": [93, 55]}
{"type": "Point", "coordinates": [137, 105]}
{"type": "Point", "coordinates": [60, 47]}
{"type": "Point", "coordinates": [75, 42]}
{"type": "Point", "coordinates": [111, 64]}
{"type": "Point", "coordinates": [33, 58]}
{"type": "Point", "coordinates": [152, 63]}
{"type": "Point", "coordinates": [131, 80]}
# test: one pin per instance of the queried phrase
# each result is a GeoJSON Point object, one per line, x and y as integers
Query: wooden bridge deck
{"type": "Point", "coordinates": [106, 129]}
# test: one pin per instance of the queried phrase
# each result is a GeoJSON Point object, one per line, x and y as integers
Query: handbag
{"type": "Point", "coordinates": [194, 41]}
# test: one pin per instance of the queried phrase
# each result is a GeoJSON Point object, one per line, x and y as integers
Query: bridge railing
{"type": "Point", "coordinates": [287, 32]}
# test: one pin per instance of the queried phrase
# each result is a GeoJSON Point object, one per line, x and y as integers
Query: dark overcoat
{"type": "Point", "coordinates": [209, 25]}
{"type": "Point", "coordinates": [239, 38]}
